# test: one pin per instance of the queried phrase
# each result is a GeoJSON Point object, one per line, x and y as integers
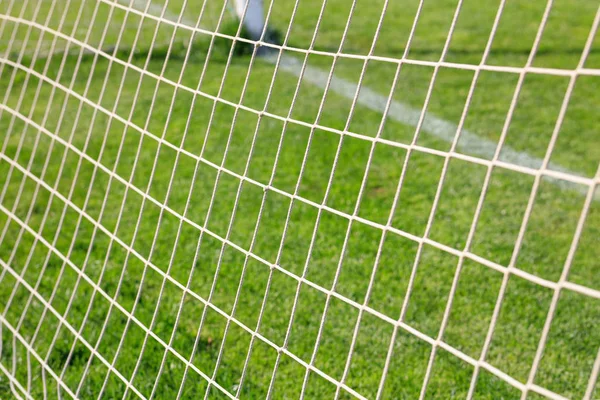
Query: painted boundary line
{"type": "Point", "coordinates": [435, 126]}
{"type": "Point", "coordinates": [398, 111]}
{"type": "Point", "coordinates": [408, 115]}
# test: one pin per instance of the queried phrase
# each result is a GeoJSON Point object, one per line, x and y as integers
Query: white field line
{"type": "Point", "coordinates": [444, 130]}
{"type": "Point", "coordinates": [408, 115]}
{"type": "Point", "coordinates": [472, 143]}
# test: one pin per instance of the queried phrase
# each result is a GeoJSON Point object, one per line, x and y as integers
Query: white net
{"type": "Point", "coordinates": [373, 200]}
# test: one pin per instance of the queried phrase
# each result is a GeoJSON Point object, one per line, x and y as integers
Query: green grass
{"type": "Point", "coordinates": [574, 336]}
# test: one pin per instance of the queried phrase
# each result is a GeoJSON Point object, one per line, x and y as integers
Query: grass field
{"type": "Point", "coordinates": [174, 211]}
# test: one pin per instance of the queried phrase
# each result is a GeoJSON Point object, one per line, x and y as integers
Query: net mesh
{"type": "Point", "coordinates": [387, 201]}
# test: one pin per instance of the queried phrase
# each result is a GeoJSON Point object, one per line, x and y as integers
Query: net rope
{"type": "Point", "coordinates": [22, 56]}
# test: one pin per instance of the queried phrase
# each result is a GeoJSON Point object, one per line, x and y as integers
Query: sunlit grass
{"type": "Point", "coordinates": [208, 176]}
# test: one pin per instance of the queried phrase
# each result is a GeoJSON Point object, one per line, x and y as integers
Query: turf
{"type": "Point", "coordinates": [126, 178]}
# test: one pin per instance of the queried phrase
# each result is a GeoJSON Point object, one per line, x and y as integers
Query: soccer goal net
{"type": "Point", "coordinates": [316, 199]}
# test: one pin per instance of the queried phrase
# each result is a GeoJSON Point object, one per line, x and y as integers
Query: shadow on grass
{"type": "Point", "coordinates": [196, 51]}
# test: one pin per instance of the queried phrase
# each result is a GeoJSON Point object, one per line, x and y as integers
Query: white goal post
{"type": "Point", "coordinates": [252, 15]}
